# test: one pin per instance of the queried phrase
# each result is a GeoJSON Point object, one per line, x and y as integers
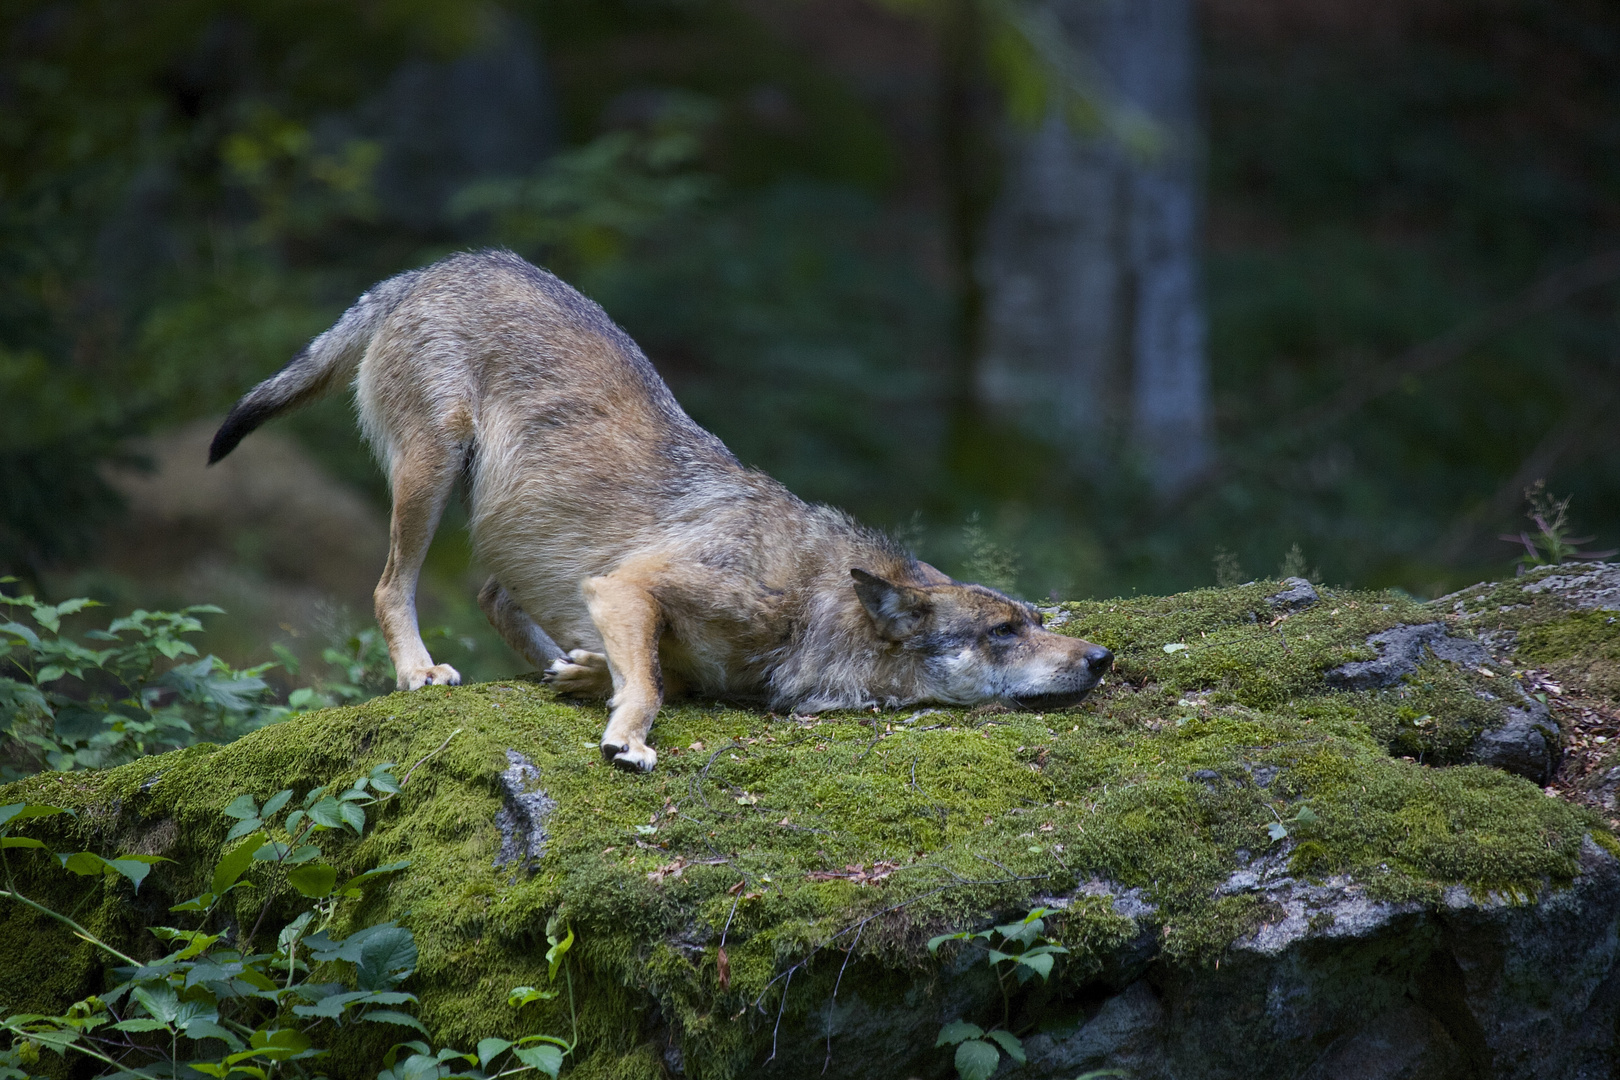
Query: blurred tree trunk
{"type": "Point", "coordinates": [1092, 326]}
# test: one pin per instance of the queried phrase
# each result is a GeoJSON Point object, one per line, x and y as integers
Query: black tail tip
{"type": "Point", "coordinates": [241, 421]}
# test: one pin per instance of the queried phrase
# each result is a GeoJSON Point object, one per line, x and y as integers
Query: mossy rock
{"type": "Point", "coordinates": [1164, 822]}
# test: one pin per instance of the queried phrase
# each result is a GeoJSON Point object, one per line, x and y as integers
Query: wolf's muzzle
{"type": "Point", "coordinates": [1097, 661]}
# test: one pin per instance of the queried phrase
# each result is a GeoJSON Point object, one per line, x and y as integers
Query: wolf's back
{"type": "Point", "coordinates": [325, 364]}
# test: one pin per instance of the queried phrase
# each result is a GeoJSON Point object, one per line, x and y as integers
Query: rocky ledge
{"type": "Point", "coordinates": [1300, 832]}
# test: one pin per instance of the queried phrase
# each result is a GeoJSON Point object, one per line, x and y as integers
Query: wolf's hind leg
{"type": "Point", "coordinates": [422, 476]}
{"type": "Point", "coordinates": [517, 628]}
{"type": "Point", "coordinates": [628, 618]}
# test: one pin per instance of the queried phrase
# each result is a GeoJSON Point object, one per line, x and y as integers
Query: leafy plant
{"type": "Point", "coordinates": [218, 1006]}
{"type": "Point", "coordinates": [1016, 952]}
{"type": "Point", "coordinates": [119, 693]}
{"type": "Point", "coordinates": [1551, 543]}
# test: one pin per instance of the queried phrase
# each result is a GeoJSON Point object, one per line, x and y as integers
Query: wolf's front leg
{"type": "Point", "coordinates": [628, 618]}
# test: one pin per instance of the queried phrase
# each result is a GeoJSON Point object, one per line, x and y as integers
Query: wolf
{"type": "Point", "coordinates": [631, 554]}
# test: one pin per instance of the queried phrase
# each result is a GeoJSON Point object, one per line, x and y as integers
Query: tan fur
{"type": "Point", "coordinates": [631, 553]}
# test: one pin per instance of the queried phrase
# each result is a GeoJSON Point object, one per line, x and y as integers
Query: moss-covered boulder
{"type": "Point", "coordinates": [1262, 844]}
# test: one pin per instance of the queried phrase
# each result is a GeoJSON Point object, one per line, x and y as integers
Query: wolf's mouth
{"type": "Point", "coordinates": [1050, 702]}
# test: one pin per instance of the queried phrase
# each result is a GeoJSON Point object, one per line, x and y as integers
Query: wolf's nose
{"type": "Point", "coordinates": [1098, 659]}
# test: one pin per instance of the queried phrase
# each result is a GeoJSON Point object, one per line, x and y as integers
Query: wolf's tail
{"type": "Point", "coordinates": [321, 366]}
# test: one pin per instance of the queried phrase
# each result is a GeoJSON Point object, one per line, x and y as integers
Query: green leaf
{"type": "Point", "coordinates": [489, 1048]}
{"type": "Point", "coordinates": [140, 1023]}
{"type": "Point", "coordinates": [394, 1016]}
{"type": "Point", "coordinates": [1306, 816]}
{"type": "Point", "coordinates": [83, 863]}
{"type": "Point", "coordinates": [24, 811]}
{"type": "Point", "coordinates": [208, 1029]}
{"type": "Point", "coordinates": [314, 881]}
{"type": "Point", "coordinates": [160, 1002]}
{"type": "Point", "coordinates": [328, 812]}
{"type": "Point", "coordinates": [555, 954]}
{"type": "Point", "coordinates": [134, 867]}
{"type": "Point", "coordinates": [1042, 964]}
{"type": "Point", "coordinates": [243, 806]}
{"type": "Point", "coordinates": [548, 1059]}
{"type": "Point", "coordinates": [382, 778]}
{"type": "Point", "coordinates": [196, 903]}
{"type": "Point", "coordinates": [957, 1030]}
{"type": "Point", "coordinates": [242, 828]}
{"type": "Point", "coordinates": [976, 1060]}
{"type": "Point", "coordinates": [292, 822]}
{"type": "Point", "coordinates": [1012, 1044]}
{"type": "Point", "coordinates": [235, 864]}
{"type": "Point", "coordinates": [373, 874]}
{"type": "Point", "coordinates": [50, 673]}
{"type": "Point", "coordinates": [20, 841]}
{"type": "Point", "coordinates": [935, 943]}
{"type": "Point", "coordinates": [354, 816]}
{"type": "Point", "coordinates": [1277, 830]}
{"type": "Point", "coordinates": [386, 956]}
{"type": "Point", "coordinates": [522, 995]}
{"type": "Point", "coordinates": [275, 802]}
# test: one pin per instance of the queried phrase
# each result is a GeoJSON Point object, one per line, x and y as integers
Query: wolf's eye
{"type": "Point", "coordinates": [1004, 631]}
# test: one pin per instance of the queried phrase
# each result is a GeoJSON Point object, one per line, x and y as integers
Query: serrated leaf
{"type": "Point", "coordinates": [1306, 816]}
{"type": "Point", "coordinates": [368, 876]}
{"type": "Point", "coordinates": [273, 851]}
{"type": "Point", "coordinates": [957, 1030]}
{"type": "Point", "coordinates": [314, 881]}
{"type": "Point", "coordinates": [935, 943]}
{"type": "Point", "coordinates": [548, 1059]}
{"type": "Point", "coordinates": [354, 816]}
{"type": "Point", "coordinates": [385, 958]}
{"type": "Point", "coordinates": [489, 1048]}
{"type": "Point", "coordinates": [1041, 964]}
{"type": "Point", "coordinates": [50, 673]}
{"type": "Point", "coordinates": [140, 1023]}
{"type": "Point", "coordinates": [328, 812]}
{"type": "Point", "coordinates": [242, 828]}
{"type": "Point", "coordinates": [275, 802]}
{"type": "Point", "coordinates": [1277, 830]}
{"type": "Point", "coordinates": [394, 1016]}
{"type": "Point", "coordinates": [293, 821]}
{"type": "Point", "coordinates": [235, 863]}
{"type": "Point", "coordinates": [1012, 1044]}
{"type": "Point", "coordinates": [208, 1029]}
{"type": "Point", "coordinates": [976, 1060]}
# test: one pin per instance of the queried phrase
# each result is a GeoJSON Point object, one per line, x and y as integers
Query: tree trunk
{"type": "Point", "coordinates": [1093, 319]}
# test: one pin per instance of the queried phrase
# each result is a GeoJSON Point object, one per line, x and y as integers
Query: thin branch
{"type": "Point", "coordinates": [849, 952]}
{"type": "Point", "coordinates": [432, 753]}
{"type": "Point", "coordinates": [78, 931]}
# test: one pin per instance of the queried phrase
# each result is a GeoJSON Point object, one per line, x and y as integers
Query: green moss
{"type": "Point", "coordinates": [1165, 781]}
{"type": "Point", "coordinates": [1588, 634]}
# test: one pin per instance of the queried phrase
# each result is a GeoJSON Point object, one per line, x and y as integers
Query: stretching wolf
{"type": "Point", "coordinates": [631, 553]}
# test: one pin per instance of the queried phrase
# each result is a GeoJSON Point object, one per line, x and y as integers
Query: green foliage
{"type": "Point", "coordinates": [65, 704]}
{"type": "Point", "coordinates": [216, 1005]}
{"type": "Point", "coordinates": [1024, 946]}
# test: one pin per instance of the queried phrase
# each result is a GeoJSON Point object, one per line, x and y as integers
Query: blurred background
{"type": "Point", "coordinates": [1077, 297]}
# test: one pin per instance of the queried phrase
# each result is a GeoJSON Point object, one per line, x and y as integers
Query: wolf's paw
{"type": "Point", "coordinates": [635, 757]}
{"type": "Point", "coordinates": [580, 674]}
{"type": "Point", "coordinates": [437, 675]}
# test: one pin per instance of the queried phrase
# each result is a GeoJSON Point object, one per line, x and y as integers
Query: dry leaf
{"type": "Point", "coordinates": [722, 964]}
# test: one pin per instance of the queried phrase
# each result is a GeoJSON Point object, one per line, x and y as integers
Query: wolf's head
{"type": "Point", "coordinates": [967, 644]}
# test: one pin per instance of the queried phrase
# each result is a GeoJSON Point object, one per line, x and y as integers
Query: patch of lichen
{"type": "Point", "coordinates": [790, 836]}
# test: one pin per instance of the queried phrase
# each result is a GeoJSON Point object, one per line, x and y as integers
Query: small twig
{"type": "Point", "coordinates": [735, 901]}
{"type": "Point", "coordinates": [780, 1010]}
{"type": "Point", "coordinates": [849, 952]}
{"type": "Point", "coordinates": [432, 753]}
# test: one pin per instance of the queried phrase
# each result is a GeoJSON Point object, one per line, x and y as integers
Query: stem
{"type": "Point", "coordinates": [78, 930]}
{"type": "Point", "coordinates": [424, 758]}
{"type": "Point", "coordinates": [573, 1019]}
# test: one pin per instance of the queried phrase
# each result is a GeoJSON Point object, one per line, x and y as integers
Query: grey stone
{"type": "Point", "coordinates": [1124, 1031]}
{"type": "Point", "coordinates": [1525, 743]}
{"type": "Point", "coordinates": [1584, 585]}
{"type": "Point", "coordinates": [1298, 596]}
{"type": "Point", "coordinates": [1400, 650]}
{"type": "Point", "coordinates": [522, 817]}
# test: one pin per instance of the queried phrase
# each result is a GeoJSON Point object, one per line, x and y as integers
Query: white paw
{"type": "Point", "coordinates": [636, 757]}
{"type": "Point", "coordinates": [581, 674]}
{"type": "Point", "coordinates": [437, 675]}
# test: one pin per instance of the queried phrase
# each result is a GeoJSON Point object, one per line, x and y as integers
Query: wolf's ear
{"type": "Point", "coordinates": [896, 610]}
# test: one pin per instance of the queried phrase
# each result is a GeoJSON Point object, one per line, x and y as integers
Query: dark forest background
{"type": "Point", "coordinates": [1396, 226]}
